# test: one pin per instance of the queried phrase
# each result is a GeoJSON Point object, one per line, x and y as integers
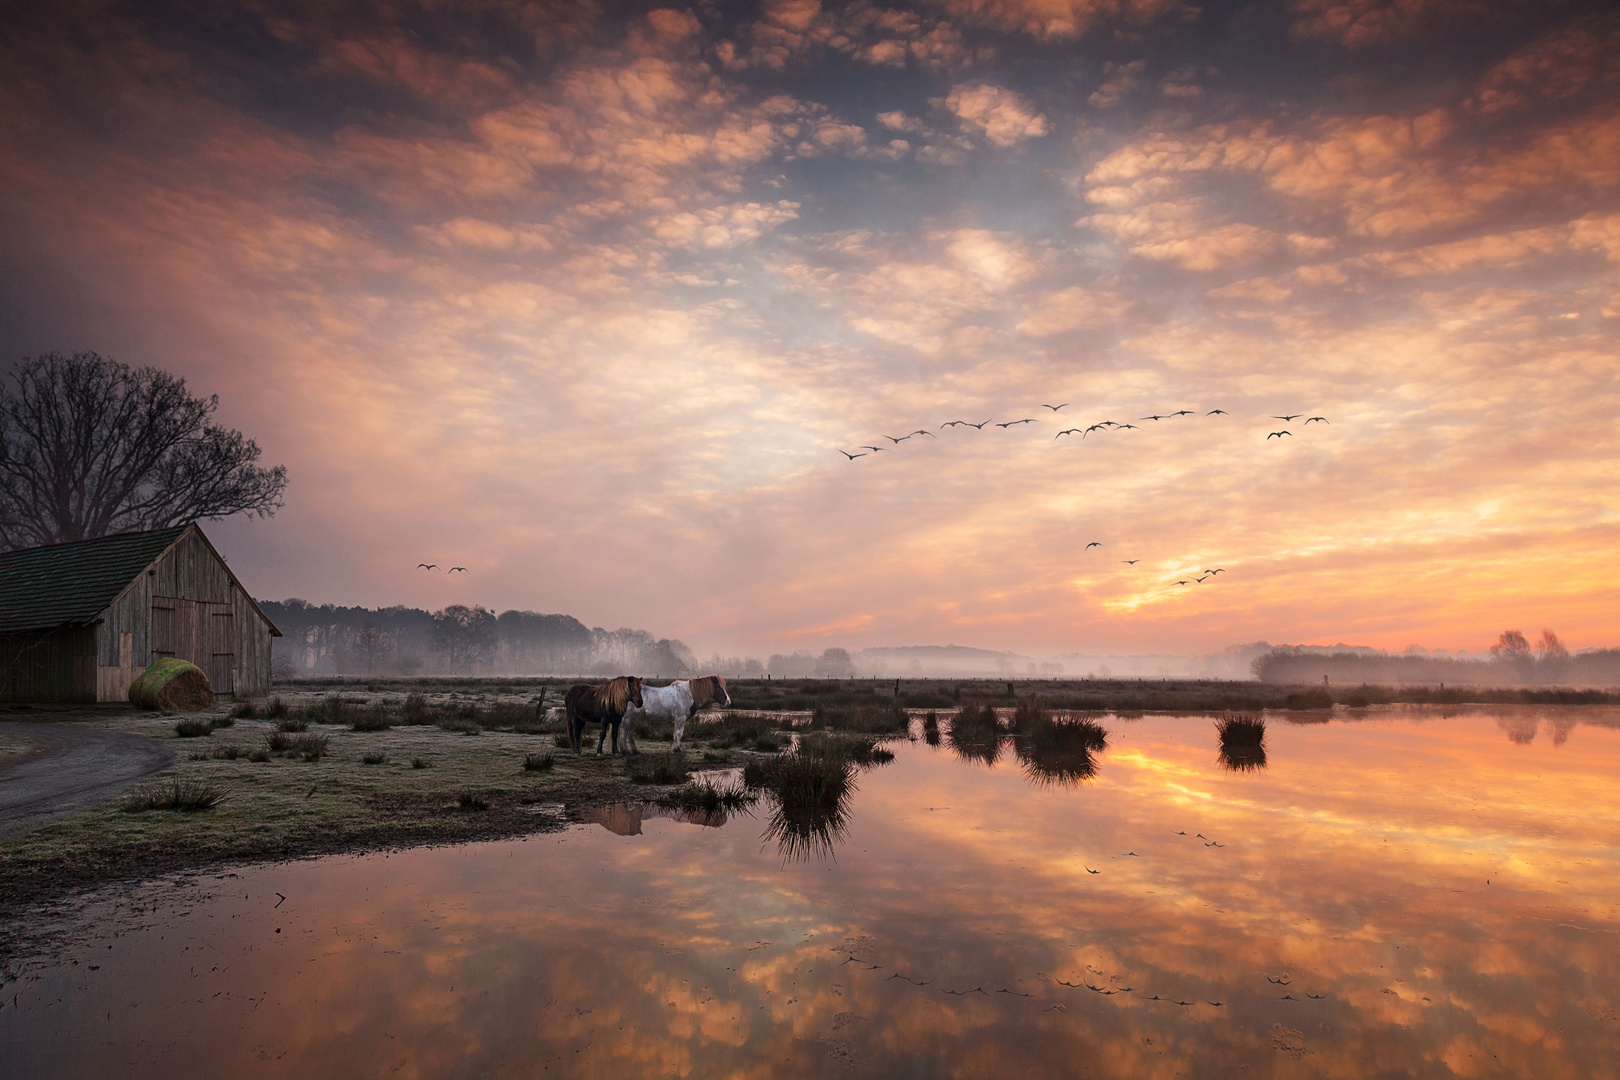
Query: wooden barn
{"type": "Point", "coordinates": [78, 622]}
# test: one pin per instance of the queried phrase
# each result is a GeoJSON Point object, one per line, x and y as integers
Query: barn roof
{"type": "Point", "coordinates": [65, 584]}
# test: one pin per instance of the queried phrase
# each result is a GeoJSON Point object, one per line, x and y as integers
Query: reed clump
{"type": "Point", "coordinates": [468, 799]}
{"type": "Point", "coordinates": [373, 718]}
{"type": "Point", "coordinates": [415, 709]}
{"type": "Point", "coordinates": [711, 798]}
{"type": "Point", "coordinates": [292, 723]}
{"type": "Point", "coordinates": [538, 762]}
{"type": "Point", "coordinates": [174, 794]}
{"type": "Point", "coordinates": [376, 757]}
{"type": "Point", "coordinates": [878, 718]}
{"type": "Point", "coordinates": [1241, 729]}
{"type": "Point", "coordinates": [656, 769]}
{"type": "Point", "coordinates": [192, 728]}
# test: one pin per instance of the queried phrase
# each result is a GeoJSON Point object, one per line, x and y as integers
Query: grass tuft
{"type": "Point", "coordinates": [421, 763]}
{"type": "Point", "coordinates": [877, 719]}
{"type": "Point", "coordinates": [292, 723]}
{"type": "Point", "coordinates": [656, 769]}
{"type": "Point", "coordinates": [1241, 729]}
{"type": "Point", "coordinates": [373, 718]}
{"type": "Point", "coordinates": [260, 754]}
{"type": "Point", "coordinates": [538, 762]}
{"type": "Point", "coordinates": [415, 709]}
{"type": "Point", "coordinates": [376, 757]}
{"type": "Point", "coordinates": [710, 798]}
{"type": "Point", "coordinates": [174, 794]}
{"type": "Point", "coordinates": [469, 799]}
{"type": "Point", "coordinates": [191, 728]}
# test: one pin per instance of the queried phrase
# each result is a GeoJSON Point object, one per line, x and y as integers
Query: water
{"type": "Point", "coordinates": [1410, 895]}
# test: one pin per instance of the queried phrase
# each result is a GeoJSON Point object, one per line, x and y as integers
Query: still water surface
{"type": "Point", "coordinates": [1409, 894]}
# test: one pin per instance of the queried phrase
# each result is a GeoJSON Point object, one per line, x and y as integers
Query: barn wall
{"type": "Point", "coordinates": [56, 665]}
{"type": "Point", "coordinates": [203, 610]}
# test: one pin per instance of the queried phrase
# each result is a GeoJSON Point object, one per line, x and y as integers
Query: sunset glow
{"type": "Point", "coordinates": [588, 297]}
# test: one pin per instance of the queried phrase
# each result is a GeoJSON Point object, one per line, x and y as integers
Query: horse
{"type": "Point", "coordinates": [606, 704]}
{"type": "Point", "coordinates": [678, 702]}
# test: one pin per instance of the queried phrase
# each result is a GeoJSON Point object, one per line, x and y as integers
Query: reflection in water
{"type": "Point", "coordinates": [1400, 895]}
{"type": "Point", "coordinates": [1243, 758]}
{"type": "Point", "coordinates": [626, 819]}
{"type": "Point", "coordinates": [1060, 752]}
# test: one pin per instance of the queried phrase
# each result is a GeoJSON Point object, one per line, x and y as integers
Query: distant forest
{"type": "Point", "coordinates": [1513, 661]}
{"type": "Point", "coordinates": [324, 639]}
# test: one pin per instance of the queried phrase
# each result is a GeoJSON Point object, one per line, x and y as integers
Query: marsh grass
{"type": "Point", "coordinates": [224, 722]}
{"type": "Point", "coordinates": [228, 752]}
{"type": "Point", "coordinates": [292, 723]}
{"type": "Point", "coordinates": [811, 794]}
{"type": "Point", "coordinates": [420, 762]}
{"type": "Point", "coordinates": [878, 718]}
{"type": "Point", "coordinates": [1054, 735]}
{"type": "Point", "coordinates": [309, 746]}
{"type": "Point", "coordinates": [538, 762]}
{"type": "Point", "coordinates": [560, 741]}
{"type": "Point", "coordinates": [192, 728]}
{"type": "Point", "coordinates": [372, 718]}
{"type": "Point", "coordinates": [260, 755]}
{"type": "Point", "coordinates": [859, 749]}
{"type": "Point", "coordinates": [469, 799]}
{"type": "Point", "coordinates": [415, 708]}
{"type": "Point", "coordinates": [376, 757]}
{"type": "Point", "coordinates": [656, 769]}
{"type": "Point", "coordinates": [174, 794]}
{"type": "Point", "coordinates": [708, 797]}
{"type": "Point", "coordinates": [732, 729]}
{"type": "Point", "coordinates": [463, 724]}
{"type": "Point", "coordinates": [1241, 729]}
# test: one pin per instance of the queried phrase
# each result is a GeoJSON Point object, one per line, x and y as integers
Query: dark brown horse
{"type": "Point", "coordinates": [603, 704]}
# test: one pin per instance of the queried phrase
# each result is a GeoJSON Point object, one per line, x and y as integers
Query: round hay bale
{"type": "Point", "coordinates": [172, 686]}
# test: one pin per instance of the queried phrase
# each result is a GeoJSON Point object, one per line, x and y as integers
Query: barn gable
{"type": "Point", "coordinates": [79, 621]}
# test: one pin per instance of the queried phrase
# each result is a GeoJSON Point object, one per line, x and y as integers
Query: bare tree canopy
{"type": "Point", "coordinates": [90, 446]}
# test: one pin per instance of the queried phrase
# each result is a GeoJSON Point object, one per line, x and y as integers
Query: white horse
{"type": "Point", "coordinates": [677, 702]}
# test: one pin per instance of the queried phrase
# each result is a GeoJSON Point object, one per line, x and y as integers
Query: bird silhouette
{"type": "Point", "coordinates": [1055, 408]}
{"type": "Point", "coordinates": [1015, 423]}
{"type": "Point", "coordinates": [979, 426]}
{"type": "Point", "coordinates": [1090, 429]}
{"type": "Point", "coordinates": [1150, 418]}
{"type": "Point", "coordinates": [1285, 419]}
{"type": "Point", "coordinates": [953, 423]}
{"type": "Point", "coordinates": [851, 456]}
{"type": "Point", "coordinates": [1203, 579]}
{"type": "Point", "coordinates": [1130, 562]}
{"type": "Point", "coordinates": [1217, 412]}
{"type": "Point", "coordinates": [1094, 543]}
{"type": "Point", "coordinates": [874, 449]}
{"type": "Point", "coordinates": [453, 569]}
{"type": "Point", "coordinates": [898, 441]}
{"type": "Point", "coordinates": [1089, 870]}
{"type": "Point", "coordinates": [923, 431]}
{"type": "Point", "coordinates": [1217, 570]}
{"type": "Point", "coordinates": [1279, 434]}
{"type": "Point", "coordinates": [427, 566]}
{"type": "Point", "coordinates": [1123, 427]}
{"type": "Point", "coordinates": [1070, 431]}
{"type": "Point", "coordinates": [1183, 412]}
{"type": "Point", "coordinates": [1184, 582]}
{"type": "Point", "coordinates": [1284, 981]}
{"type": "Point", "coordinates": [1314, 419]}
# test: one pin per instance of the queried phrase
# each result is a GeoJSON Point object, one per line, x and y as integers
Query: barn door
{"type": "Point", "coordinates": [199, 632]}
{"type": "Point", "coordinates": [221, 666]}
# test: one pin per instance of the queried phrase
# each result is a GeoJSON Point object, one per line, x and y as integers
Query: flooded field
{"type": "Point", "coordinates": [1401, 893]}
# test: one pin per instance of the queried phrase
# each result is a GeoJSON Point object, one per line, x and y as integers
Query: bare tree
{"type": "Point", "coordinates": [90, 446]}
{"type": "Point", "coordinates": [465, 636]}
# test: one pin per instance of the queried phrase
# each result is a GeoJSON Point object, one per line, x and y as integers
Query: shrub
{"type": "Point", "coordinates": [538, 762]}
{"type": "Point", "coordinates": [656, 769]}
{"type": "Point", "coordinates": [309, 747]}
{"type": "Point", "coordinates": [1028, 714]}
{"type": "Point", "coordinates": [376, 757]}
{"type": "Point", "coordinates": [275, 709]}
{"type": "Point", "coordinates": [1067, 736]}
{"type": "Point", "coordinates": [469, 799]}
{"type": "Point", "coordinates": [224, 722]}
{"type": "Point", "coordinates": [292, 723]}
{"type": "Point", "coordinates": [191, 728]}
{"type": "Point", "coordinates": [975, 722]}
{"type": "Point", "coordinates": [245, 710]}
{"type": "Point", "coordinates": [1241, 729]}
{"type": "Point", "coordinates": [260, 754]}
{"type": "Point", "coordinates": [421, 763]}
{"type": "Point", "coordinates": [175, 794]}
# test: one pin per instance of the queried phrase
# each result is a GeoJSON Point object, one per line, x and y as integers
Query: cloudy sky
{"type": "Point", "coordinates": [588, 297]}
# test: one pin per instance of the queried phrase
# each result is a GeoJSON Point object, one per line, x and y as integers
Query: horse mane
{"type": "Point", "coordinates": [615, 693]}
{"type": "Point", "coordinates": [706, 689]}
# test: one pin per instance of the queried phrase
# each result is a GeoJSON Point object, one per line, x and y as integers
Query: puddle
{"type": "Point", "coordinates": [1412, 895]}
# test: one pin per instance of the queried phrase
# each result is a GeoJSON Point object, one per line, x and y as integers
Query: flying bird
{"type": "Point", "coordinates": [874, 449]}
{"type": "Point", "coordinates": [953, 423]}
{"type": "Point", "coordinates": [1130, 562]}
{"type": "Point", "coordinates": [1015, 423]}
{"type": "Point", "coordinates": [1089, 870]}
{"type": "Point", "coordinates": [900, 440]}
{"type": "Point", "coordinates": [1150, 418]}
{"type": "Point", "coordinates": [1217, 570]}
{"type": "Point", "coordinates": [1055, 408]}
{"type": "Point", "coordinates": [1070, 431]}
{"type": "Point", "coordinates": [427, 566]}
{"type": "Point", "coordinates": [1217, 412]}
{"type": "Point", "coordinates": [1094, 543]}
{"type": "Point", "coordinates": [979, 426]}
{"type": "Point", "coordinates": [1279, 434]}
{"type": "Point", "coordinates": [1314, 419]}
{"type": "Point", "coordinates": [1183, 412]}
{"type": "Point", "coordinates": [851, 456]}
{"type": "Point", "coordinates": [1131, 427]}
{"type": "Point", "coordinates": [1184, 582]}
{"type": "Point", "coordinates": [923, 431]}
{"type": "Point", "coordinates": [1287, 418]}
{"type": "Point", "coordinates": [453, 569]}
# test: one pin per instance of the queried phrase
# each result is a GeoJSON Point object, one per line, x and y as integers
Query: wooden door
{"type": "Point", "coordinates": [199, 632]}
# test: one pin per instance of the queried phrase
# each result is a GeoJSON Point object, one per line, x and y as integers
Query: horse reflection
{"type": "Point", "coordinates": [625, 819]}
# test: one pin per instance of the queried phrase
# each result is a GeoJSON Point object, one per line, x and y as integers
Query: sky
{"type": "Point", "coordinates": [588, 298]}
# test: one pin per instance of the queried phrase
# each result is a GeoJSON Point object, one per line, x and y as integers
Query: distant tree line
{"type": "Point", "coordinates": [1513, 661]}
{"type": "Point", "coordinates": [326, 639]}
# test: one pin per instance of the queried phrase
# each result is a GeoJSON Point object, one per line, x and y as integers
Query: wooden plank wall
{"type": "Point", "coordinates": [57, 665]}
{"type": "Point", "coordinates": [230, 640]}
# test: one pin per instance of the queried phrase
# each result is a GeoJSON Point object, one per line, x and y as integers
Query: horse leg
{"type": "Point", "coordinates": [630, 736]}
{"type": "Point", "coordinates": [575, 731]}
{"type": "Point", "coordinates": [680, 726]}
{"type": "Point", "coordinates": [602, 738]}
{"type": "Point", "coordinates": [615, 736]}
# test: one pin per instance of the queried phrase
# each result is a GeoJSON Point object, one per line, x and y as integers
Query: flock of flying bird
{"type": "Point", "coordinates": [1104, 426]}
{"type": "Point", "coordinates": [435, 566]}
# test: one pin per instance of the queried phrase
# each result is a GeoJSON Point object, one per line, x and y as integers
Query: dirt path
{"type": "Point", "coordinates": [67, 768]}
